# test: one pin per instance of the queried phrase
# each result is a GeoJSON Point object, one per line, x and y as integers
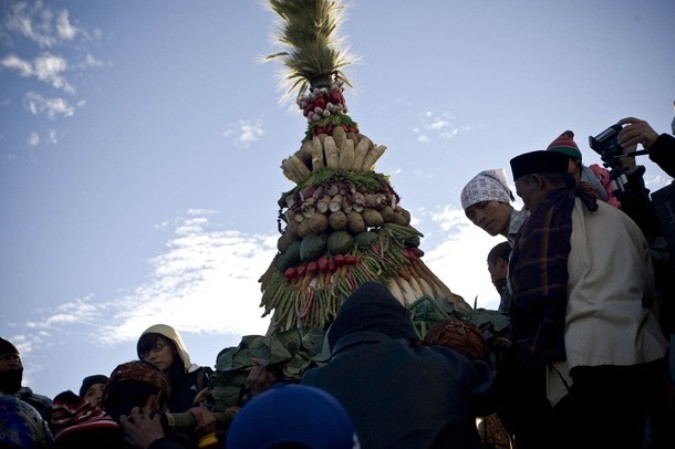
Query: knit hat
{"type": "Point", "coordinates": [7, 347]}
{"type": "Point", "coordinates": [538, 162]}
{"type": "Point", "coordinates": [140, 371]}
{"type": "Point", "coordinates": [292, 415]}
{"type": "Point", "coordinates": [488, 185]}
{"type": "Point", "coordinates": [565, 144]}
{"type": "Point", "coordinates": [372, 307]}
{"type": "Point", "coordinates": [92, 380]}
{"type": "Point", "coordinates": [75, 421]}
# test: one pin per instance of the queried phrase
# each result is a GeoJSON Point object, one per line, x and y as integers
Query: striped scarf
{"type": "Point", "coordinates": [538, 276]}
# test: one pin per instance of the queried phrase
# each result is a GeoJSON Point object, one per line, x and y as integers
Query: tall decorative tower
{"type": "Point", "coordinates": [342, 223]}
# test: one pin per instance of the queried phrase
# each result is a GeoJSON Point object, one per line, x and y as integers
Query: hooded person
{"type": "Point", "coordinates": [486, 200]}
{"type": "Point", "coordinates": [565, 144]}
{"type": "Point", "coordinates": [399, 393]}
{"type": "Point", "coordinates": [11, 378]}
{"type": "Point", "coordinates": [162, 346]}
{"type": "Point", "coordinates": [295, 416]}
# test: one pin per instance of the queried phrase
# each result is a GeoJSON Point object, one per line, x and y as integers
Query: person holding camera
{"type": "Point", "coordinates": [661, 147]}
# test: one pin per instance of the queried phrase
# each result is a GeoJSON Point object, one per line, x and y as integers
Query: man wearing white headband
{"type": "Point", "coordinates": [486, 200]}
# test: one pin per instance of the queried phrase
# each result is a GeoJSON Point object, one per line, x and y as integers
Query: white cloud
{"type": "Point", "coordinates": [40, 24]}
{"type": "Point", "coordinates": [245, 132]}
{"type": "Point", "coordinates": [51, 137]}
{"type": "Point", "coordinates": [437, 125]}
{"type": "Point", "coordinates": [51, 107]}
{"type": "Point", "coordinates": [91, 61]}
{"type": "Point", "coordinates": [64, 29]}
{"type": "Point", "coordinates": [24, 68]}
{"type": "Point", "coordinates": [33, 139]}
{"type": "Point", "coordinates": [47, 68]}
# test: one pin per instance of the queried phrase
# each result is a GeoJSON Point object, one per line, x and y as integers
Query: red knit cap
{"type": "Point", "coordinates": [565, 144]}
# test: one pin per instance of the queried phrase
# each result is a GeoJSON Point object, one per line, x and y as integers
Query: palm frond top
{"type": "Point", "coordinates": [314, 54]}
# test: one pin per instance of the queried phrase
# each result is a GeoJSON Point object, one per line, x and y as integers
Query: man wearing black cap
{"type": "Point", "coordinates": [587, 350]}
{"type": "Point", "coordinates": [11, 376]}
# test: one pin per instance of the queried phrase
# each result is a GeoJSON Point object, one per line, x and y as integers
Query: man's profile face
{"type": "Point", "coordinates": [492, 216]}
{"type": "Point", "coordinates": [529, 190]}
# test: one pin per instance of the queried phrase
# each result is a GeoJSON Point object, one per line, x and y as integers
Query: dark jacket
{"type": "Point", "coordinates": [662, 153]}
{"type": "Point", "coordinates": [399, 394]}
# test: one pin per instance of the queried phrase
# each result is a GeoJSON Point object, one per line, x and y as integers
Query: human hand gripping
{"type": "Point", "coordinates": [141, 429]}
{"type": "Point", "coordinates": [636, 131]}
{"type": "Point", "coordinates": [205, 421]}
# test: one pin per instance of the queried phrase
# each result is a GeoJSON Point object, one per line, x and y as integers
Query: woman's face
{"type": "Point", "coordinates": [161, 354]}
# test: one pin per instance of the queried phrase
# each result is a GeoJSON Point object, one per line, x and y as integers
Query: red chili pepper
{"type": "Point", "coordinates": [323, 264]}
{"type": "Point", "coordinates": [312, 267]}
{"type": "Point", "coordinates": [301, 270]}
{"type": "Point", "coordinates": [339, 260]}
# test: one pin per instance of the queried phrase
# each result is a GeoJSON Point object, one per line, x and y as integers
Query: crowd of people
{"type": "Point", "coordinates": [585, 363]}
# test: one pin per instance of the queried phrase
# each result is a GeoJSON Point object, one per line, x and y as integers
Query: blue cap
{"type": "Point", "coordinates": [292, 414]}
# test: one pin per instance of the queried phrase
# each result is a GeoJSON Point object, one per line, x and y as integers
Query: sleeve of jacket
{"type": "Point", "coordinates": [662, 153]}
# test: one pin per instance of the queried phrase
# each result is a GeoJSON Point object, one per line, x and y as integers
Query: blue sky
{"type": "Point", "coordinates": [141, 142]}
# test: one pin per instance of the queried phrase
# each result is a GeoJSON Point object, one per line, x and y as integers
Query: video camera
{"type": "Point", "coordinates": [606, 144]}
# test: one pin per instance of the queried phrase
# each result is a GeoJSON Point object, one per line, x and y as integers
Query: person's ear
{"type": "Point", "coordinates": [539, 180]}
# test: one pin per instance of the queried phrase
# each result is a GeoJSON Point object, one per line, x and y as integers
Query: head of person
{"type": "Point", "coordinates": [92, 389]}
{"type": "Point", "coordinates": [162, 346]}
{"type": "Point", "coordinates": [565, 144]}
{"type": "Point", "coordinates": [71, 414]}
{"type": "Point", "coordinates": [537, 173]}
{"type": "Point", "coordinates": [292, 417]}
{"type": "Point", "coordinates": [21, 425]}
{"type": "Point", "coordinates": [498, 261]}
{"type": "Point", "coordinates": [486, 200]}
{"type": "Point", "coordinates": [11, 367]}
{"type": "Point", "coordinates": [136, 384]}
{"type": "Point", "coordinates": [372, 307]}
